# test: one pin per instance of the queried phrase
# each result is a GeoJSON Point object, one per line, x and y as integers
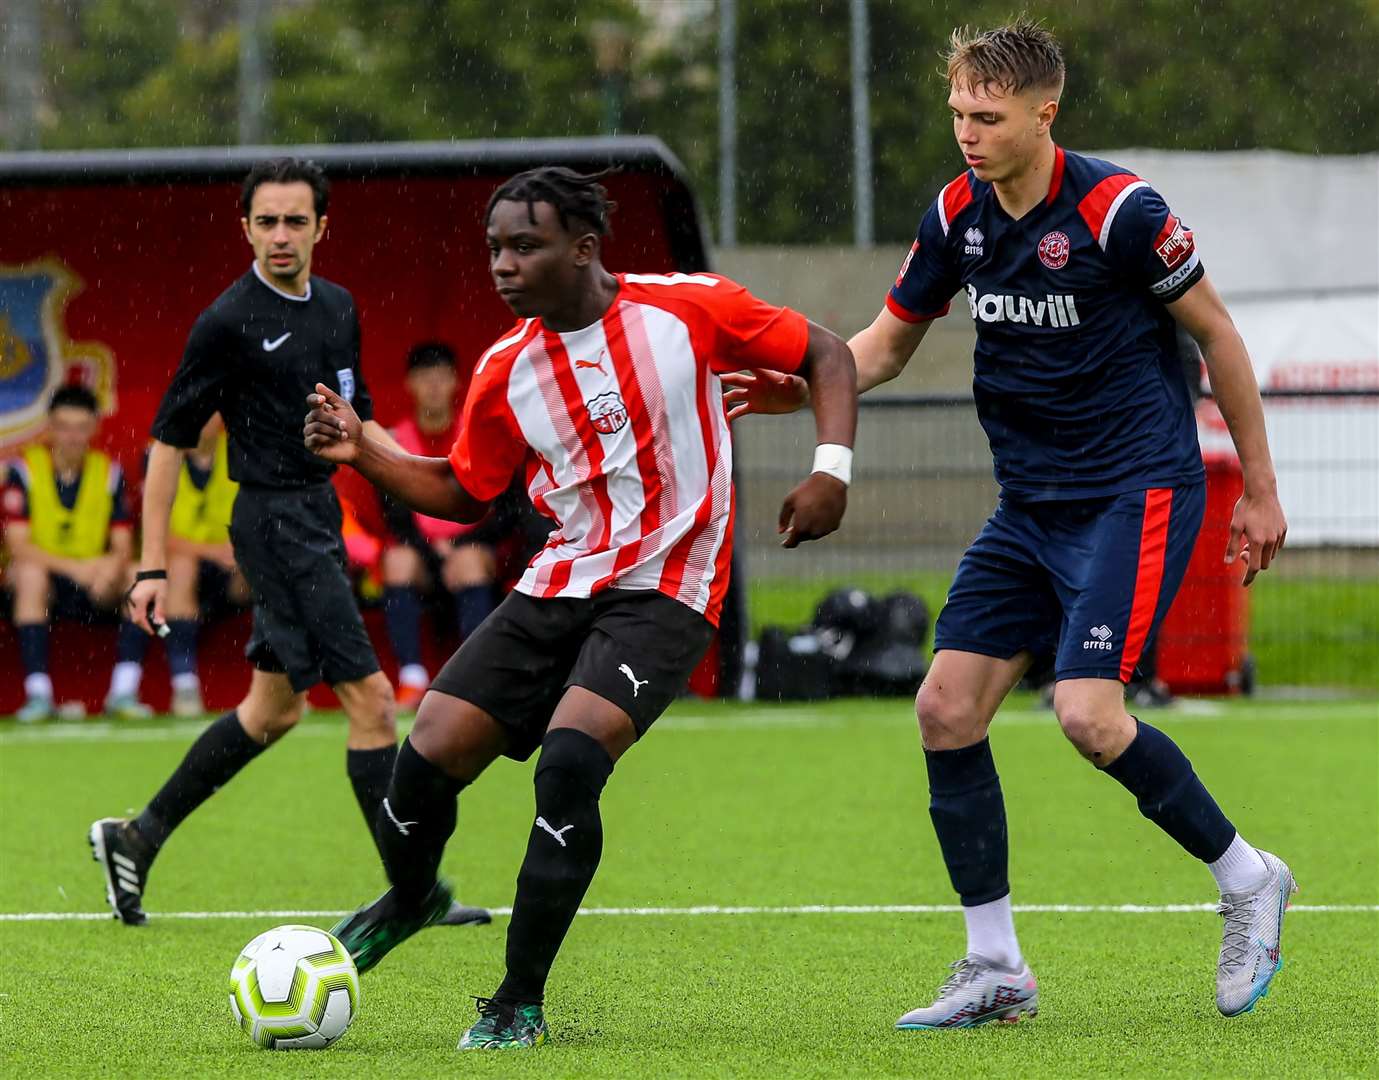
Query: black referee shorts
{"type": "Point", "coordinates": [306, 621]}
{"type": "Point", "coordinates": [636, 649]}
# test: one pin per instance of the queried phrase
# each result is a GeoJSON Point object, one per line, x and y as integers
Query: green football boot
{"type": "Point", "coordinates": [502, 1026]}
{"type": "Point", "coordinates": [374, 931]}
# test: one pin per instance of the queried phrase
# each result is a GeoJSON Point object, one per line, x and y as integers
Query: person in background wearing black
{"type": "Point", "coordinates": [252, 356]}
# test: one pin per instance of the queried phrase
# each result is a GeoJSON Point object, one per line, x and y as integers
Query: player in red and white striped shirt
{"type": "Point", "coordinates": [607, 394]}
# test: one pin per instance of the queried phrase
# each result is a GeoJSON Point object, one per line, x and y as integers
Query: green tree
{"type": "Point", "coordinates": [1200, 75]}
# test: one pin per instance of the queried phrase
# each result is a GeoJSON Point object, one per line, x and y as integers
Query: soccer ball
{"type": "Point", "coordinates": [294, 987]}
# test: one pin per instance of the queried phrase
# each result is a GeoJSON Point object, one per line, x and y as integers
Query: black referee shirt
{"type": "Point", "coordinates": [253, 356]}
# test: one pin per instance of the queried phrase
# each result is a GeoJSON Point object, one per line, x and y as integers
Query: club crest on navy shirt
{"type": "Point", "coordinates": [1054, 249]}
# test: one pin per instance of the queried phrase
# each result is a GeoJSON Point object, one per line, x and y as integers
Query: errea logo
{"type": "Point", "coordinates": [974, 239]}
{"type": "Point", "coordinates": [1101, 639]}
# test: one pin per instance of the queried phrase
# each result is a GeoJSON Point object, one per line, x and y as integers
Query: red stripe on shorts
{"type": "Point", "coordinates": [1149, 576]}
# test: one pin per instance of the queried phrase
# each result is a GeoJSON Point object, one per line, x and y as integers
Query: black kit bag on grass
{"type": "Point", "coordinates": [889, 661]}
{"type": "Point", "coordinates": [792, 666]}
{"type": "Point", "coordinates": [855, 645]}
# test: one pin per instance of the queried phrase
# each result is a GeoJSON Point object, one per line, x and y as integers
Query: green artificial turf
{"type": "Point", "coordinates": [723, 805]}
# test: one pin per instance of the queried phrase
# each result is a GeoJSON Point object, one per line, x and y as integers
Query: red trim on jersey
{"type": "Point", "coordinates": [644, 409]}
{"type": "Point", "coordinates": [673, 575]}
{"type": "Point", "coordinates": [904, 314]}
{"type": "Point", "coordinates": [708, 545]}
{"type": "Point", "coordinates": [596, 485]}
{"type": "Point", "coordinates": [1170, 223]}
{"type": "Point", "coordinates": [1056, 182]}
{"type": "Point", "coordinates": [723, 565]}
{"type": "Point", "coordinates": [1096, 204]}
{"type": "Point", "coordinates": [1149, 576]}
{"type": "Point", "coordinates": [956, 197]}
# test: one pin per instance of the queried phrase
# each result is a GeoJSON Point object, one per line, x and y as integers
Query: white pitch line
{"type": "Point", "coordinates": [684, 718]}
{"type": "Point", "coordinates": [718, 909]}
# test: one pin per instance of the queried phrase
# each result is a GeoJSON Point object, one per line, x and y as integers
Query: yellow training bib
{"type": "Point", "coordinates": [203, 515]}
{"type": "Point", "coordinates": [78, 533]}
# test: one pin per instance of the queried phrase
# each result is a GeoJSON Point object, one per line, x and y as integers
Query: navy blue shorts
{"type": "Point", "coordinates": [1086, 583]}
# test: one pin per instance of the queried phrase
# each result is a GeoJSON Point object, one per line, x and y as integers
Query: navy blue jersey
{"type": "Point", "coordinates": [1077, 379]}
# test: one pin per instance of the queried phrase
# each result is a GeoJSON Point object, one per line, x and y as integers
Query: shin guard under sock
{"type": "Point", "coordinates": [1160, 776]}
{"type": "Point", "coordinates": [414, 821]}
{"type": "Point", "coordinates": [969, 816]}
{"type": "Point", "coordinates": [563, 852]}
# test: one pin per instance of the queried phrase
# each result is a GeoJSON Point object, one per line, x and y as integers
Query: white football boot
{"type": "Point", "coordinates": [1250, 945]}
{"type": "Point", "coordinates": [977, 992]}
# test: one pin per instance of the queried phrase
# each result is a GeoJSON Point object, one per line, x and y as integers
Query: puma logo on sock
{"type": "Point", "coordinates": [542, 823]}
{"type": "Point", "coordinates": [401, 825]}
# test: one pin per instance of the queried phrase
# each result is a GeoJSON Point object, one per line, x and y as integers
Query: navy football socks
{"type": "Point", "coordinates": [402, 614]}
{"type": "Point", "coordinates": [1161, 778]}
{"type": "Point", "coordinates": [969, 816]}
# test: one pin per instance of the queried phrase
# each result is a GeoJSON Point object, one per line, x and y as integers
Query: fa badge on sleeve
{"type": "Point", "coordinates": [345, 377]}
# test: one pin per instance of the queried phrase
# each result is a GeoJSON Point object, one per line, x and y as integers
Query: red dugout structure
{"type": "Point", "coordinates": [107, 257]}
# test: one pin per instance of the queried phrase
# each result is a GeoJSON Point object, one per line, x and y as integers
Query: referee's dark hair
{"type": "Point", "coordinates": [287, 170]}
{"type": "Point", "coordinates": [426, 354]}
{"type": "Point", "coordinates": [574, 195]}
{"type": "Point", "coordinates": [76, 396]}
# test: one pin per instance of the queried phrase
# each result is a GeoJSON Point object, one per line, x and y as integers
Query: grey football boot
{"type": "Point", "coordinates": [977, 992]}
{"type": "Point", "coordinates": [1250, 954]}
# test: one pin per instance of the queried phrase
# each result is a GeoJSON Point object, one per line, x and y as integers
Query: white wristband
{"type": "Point", "coordinates": [835, 460]}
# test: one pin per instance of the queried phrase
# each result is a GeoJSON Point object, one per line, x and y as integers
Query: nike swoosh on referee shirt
{"type": "Point", "coordinates": [269, 346]}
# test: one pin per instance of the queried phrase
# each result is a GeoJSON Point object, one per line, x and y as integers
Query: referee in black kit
{"type": "Point", "coordinates": [253, 356]}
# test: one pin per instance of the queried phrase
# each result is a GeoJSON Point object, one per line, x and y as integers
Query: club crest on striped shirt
{"type": "Point", "coordinates": [607, 413]}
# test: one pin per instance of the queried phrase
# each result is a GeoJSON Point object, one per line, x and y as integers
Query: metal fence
{"type": "Point", "coordinates": [923, 488]}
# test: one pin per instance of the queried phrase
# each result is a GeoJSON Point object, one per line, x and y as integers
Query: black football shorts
{"type": "Point", "coordinates": [306, 622]}
{"type": "Point", "coordinates": [636, 649]}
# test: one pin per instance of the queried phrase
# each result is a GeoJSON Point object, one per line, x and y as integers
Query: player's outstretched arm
{"type": "Point", "coordinates": [334, 431]}
{"type": "Point", "coordinates": [815, 507]}
{"type": "Point", "coordinates": [884, 348]}
{"type": "Point", "coordinates": [881, 352]}
{"type": "Point", "coordinates": [1258, 526]}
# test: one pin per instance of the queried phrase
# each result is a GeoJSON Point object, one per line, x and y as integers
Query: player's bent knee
{"type": "Point", "coordinates": [571, 757]}
{"type": "Point", "coordinates": [371, 707]}
{"type": "Point", "coordinates": [1098, 734]}
{"type": "Point", "coordinates": [947, 720]}
{"type": "Point", "coordinates": [401, 565]}
{"type": "Point", "coordinates": [267, 723]}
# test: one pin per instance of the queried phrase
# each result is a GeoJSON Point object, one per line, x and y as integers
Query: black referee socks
{"type": "Point", "coordinates": [969, 816]}
{"type": "Point", "coordinates": [414, 821]}
{"type": "Point", "coordinates": [1160, 776]}
{"type": "Point", "coordinates": [217, 755]}
{"type": "Point", "coordinates": [370, 773]}
{"type": "Point", "coordinates": [562, 854]}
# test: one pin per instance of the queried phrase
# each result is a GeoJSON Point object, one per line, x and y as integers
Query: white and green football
{"type": "Point", "coordinates": [294, 988]}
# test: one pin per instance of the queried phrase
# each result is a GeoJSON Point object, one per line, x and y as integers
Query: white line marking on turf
{"type": "Point", "coordinates": [717, 909]}
{"type": "Point", "coordinates": [686, 719]}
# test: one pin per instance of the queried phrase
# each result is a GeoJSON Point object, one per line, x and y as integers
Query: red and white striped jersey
{"type": "Point", "coordinates": [622, 428]}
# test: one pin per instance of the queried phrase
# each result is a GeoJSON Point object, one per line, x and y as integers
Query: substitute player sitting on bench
{"type": "Point", "coordinates": [70, 545]}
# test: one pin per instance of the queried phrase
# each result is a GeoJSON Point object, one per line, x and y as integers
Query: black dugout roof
{"type": "Point", "coordinates": [487, 157]}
